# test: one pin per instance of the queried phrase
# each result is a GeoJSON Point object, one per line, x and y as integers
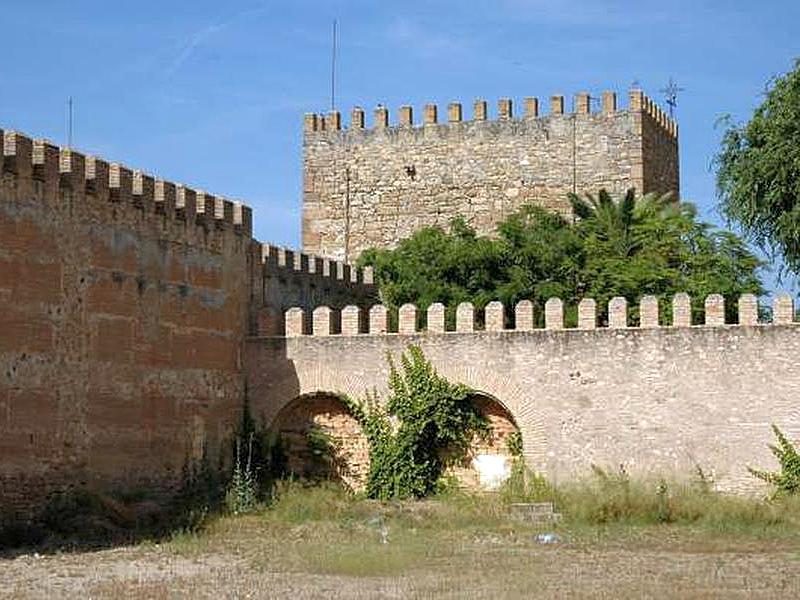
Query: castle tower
{"type": "Point", "coordinates": [372, 187]}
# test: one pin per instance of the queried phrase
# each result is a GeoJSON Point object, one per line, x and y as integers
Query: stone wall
{"type": "Point", "coordinates": [660, 400]}
{"type": "Point", "coordinates": [372, 187]}
{"type": "Point", "coordinates": [660, 168]}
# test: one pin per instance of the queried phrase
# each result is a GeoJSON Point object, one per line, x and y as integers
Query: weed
{"type": "Point", "coordinates": [240, 497]}
{"type": "Point", "coordinates": [787, 480]}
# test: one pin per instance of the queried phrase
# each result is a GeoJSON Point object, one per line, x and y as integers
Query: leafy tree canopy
{"type": "Point", "coordinates": [630, 247]}
{"type": "Point", "coordinates": [758, 171]}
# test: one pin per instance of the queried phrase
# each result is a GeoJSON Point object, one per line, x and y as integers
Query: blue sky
{"type": "Point", "coordinates": [212, 94]}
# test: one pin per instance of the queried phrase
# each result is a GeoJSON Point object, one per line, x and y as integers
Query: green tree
{"type": "Point", "coordinates": [543, 257]}
{"type": "Point", "coordinates": [758, 171]}
{"type": "Point", "coordinates": [609, 224]}
{"type": "Point", "coordinates": [629, 248]}
{"type": "Point", "coordinates": [434, 266]}
{"type": "Point", "coordinates": [657, 246]}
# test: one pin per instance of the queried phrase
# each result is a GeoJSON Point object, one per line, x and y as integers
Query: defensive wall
{"type": "Point", "coordinates": [286, 279]}
{"type": "Point", "coordinates": [374, 186]}
{"type": "Point", "coordinates": [125, 301]}
{"type": "Point", "coordinates": [658, 399]}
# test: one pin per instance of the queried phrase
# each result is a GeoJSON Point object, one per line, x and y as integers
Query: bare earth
{"type": "Point", "coordinates": [245, 560]}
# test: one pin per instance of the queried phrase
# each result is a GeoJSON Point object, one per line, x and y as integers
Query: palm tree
{"type": "Point", "coordinates": [610, 221]}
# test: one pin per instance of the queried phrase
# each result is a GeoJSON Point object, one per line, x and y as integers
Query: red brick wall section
{"type": "Point", "coordinates": [349, 462]}
{"type": "Point", "coordinates": [284, 278]}
{"type": "Point", "coordinates": [350, 448]}
{"type": "Point", "coordinates": [122, 319]}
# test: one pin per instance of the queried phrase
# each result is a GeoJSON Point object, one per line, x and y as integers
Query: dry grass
{"type": "Point", "coordinates": [320, 542]}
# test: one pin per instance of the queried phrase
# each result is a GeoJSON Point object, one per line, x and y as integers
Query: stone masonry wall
{"type": "Point", "coordinates": [660, 169]}
{"type": "Point", "coordinates": [374, 187]}
{"type": "Point", "coordinates": [123, 309]}
{"type": "Point", "coordinates": [659, 400]}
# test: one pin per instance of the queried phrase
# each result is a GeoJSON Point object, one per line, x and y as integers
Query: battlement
{"type": "Point", "coordinates": [282, 260]}
{"type": "Point", "coordinates": [64, 169]}
{"type": "Point", "coordinates": [371, 185]}
{"type": "Point", "coordinates": [352, 321]}
{"type": "Point", "coordinates": [330, 124]}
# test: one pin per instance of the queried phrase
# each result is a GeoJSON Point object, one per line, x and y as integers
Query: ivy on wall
{"type": "Point", "coordinates": [426, 422]}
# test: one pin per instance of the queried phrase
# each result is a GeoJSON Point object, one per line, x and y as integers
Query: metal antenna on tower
{"type": "Point", "coordinates": [671, 94]}
{"type": "Point", "coordinates": [69, 122]}
{"type": "Point", "coordinates": [333, 69]}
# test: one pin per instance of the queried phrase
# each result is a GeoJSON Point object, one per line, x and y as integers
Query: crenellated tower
{"type": "Point", "coordinates": [373, 186]}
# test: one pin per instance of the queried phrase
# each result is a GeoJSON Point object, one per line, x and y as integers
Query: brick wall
{"type": "Point", "coordinates": [285, 278]}
{"type": "Point", "coordinates": [348, 458]}
{"type": "Point", "coordinates": [123, 308]}
{"type": "Point", "coordinates": [373, 187]}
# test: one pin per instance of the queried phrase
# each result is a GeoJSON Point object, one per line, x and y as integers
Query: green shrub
{"type": "Point", "coordinates": [614, 498]}
{"type": "Point", "coordinates": [787, 480]}
{"type": "Point", "coordinates": [427, 422]}
{"type": "Point", "coordinates": [514, 444]}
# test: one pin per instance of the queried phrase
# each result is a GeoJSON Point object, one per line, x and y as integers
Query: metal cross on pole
{"type": "Point", "coordinates": [671, 94]}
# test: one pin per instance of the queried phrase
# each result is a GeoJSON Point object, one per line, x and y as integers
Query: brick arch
{"type": "Point", "coordinates": [318, 378]}
{"type": "Point", "coordinates": [309, 379]}
{"type": "Point", "coordinates": [500, 419]}
{"type": "Point", "coordinates": [513, 398]}
{"type": "Point", "coordinates": [348, 459]}
{"type": "Point", "coordinates": [488, 460]}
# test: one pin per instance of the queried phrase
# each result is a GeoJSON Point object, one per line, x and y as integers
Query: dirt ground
{"type": "Point", "coordinates": [249, 559]}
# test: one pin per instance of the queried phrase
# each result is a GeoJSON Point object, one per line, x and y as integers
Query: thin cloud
{"type": "Point", "coordinates": [194, 41]}
{"type": "Point", "coordinates": [202, 36]}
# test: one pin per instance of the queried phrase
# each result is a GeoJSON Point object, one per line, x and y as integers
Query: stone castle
{"type": "Point", "coordinates": [138, 316]}
{"type": "Point", "coordinates": [373, 187]}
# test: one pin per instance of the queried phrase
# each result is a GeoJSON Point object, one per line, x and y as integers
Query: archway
{"type": "Point", "coordinates": [321, 440]}
{"type": "Point", "coordinates": [489, 459]}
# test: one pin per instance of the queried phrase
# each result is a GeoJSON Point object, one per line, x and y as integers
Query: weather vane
{"type": "Point", "coordinates": [671, 94]}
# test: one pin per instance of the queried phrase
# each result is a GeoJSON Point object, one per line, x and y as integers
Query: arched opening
{"type": "Point", "coordinates": [319, 439]}
{"type": "Point", "coordinates": [489, 459]}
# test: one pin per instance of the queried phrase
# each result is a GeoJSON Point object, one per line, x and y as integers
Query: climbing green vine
{"type": "Point", "coordinates": [787, 480]}
{"type": "Point", "coordinates": [426, 422]}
